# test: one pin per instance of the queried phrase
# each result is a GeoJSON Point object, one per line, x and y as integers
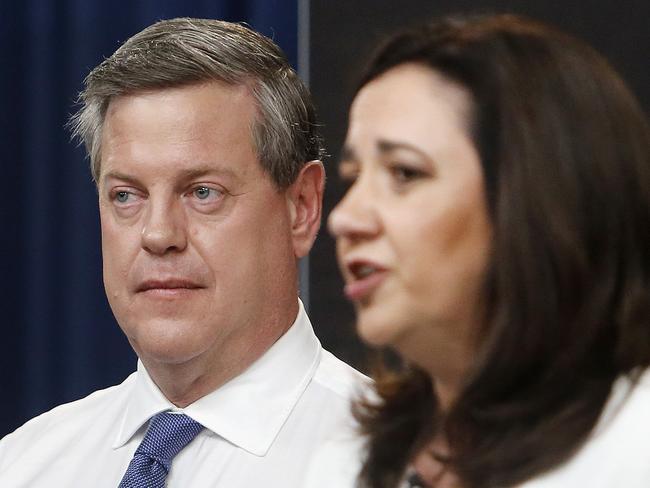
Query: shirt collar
{"type": "Point", "coordinates": [250, 409]}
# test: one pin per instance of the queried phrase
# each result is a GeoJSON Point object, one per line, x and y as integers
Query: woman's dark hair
{"type": "Point", "coordinates": [565, 153]}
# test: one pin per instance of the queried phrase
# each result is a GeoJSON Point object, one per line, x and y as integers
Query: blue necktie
{"type": "Point", "coordinates": [167, 435]}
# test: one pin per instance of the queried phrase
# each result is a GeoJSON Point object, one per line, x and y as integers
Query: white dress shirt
{"type": "Point", "coordinates": [616, 455]}
{"type": "Point", "coordinates": [261, 428]}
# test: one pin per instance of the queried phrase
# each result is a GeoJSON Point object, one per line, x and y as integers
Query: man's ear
{"type": "Point", "coordinates": [305, 200]}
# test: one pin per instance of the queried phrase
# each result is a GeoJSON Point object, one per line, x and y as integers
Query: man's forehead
{"type": "Point", "coordinates": [239, 92]}
{"type": "Point", "coordinates": [194, 108]}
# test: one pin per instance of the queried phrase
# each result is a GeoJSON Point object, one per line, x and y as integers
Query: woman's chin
{"type": "Point", "coordinates": [377, 331]}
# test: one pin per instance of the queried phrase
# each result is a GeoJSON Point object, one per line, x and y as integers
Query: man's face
{"type": "Point", "coordinates": [198, 256]}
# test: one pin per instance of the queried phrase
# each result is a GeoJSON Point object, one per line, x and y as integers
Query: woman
{"type": "Point", "coordinates": [496, 234]}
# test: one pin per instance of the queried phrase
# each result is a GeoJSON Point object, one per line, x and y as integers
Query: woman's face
{"type": "Point", "coordinates": [412, 231]}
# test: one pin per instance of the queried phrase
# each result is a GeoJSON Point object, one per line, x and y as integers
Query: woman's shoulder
{"type": "Point", "coordinates": [617, 452]}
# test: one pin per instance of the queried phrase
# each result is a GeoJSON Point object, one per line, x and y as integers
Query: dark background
{"type": "Point", "coordinates": [343, 34]}
{"type": "Point", "coordinates": [59, 340]}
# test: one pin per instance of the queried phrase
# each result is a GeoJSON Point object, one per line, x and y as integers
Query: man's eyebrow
{"type": "Point", "coordinates": [186, 174]}
{"type": "Point", "coordinates": [193, 173]}
{"type": "Point", "coordinates": [116, 175]}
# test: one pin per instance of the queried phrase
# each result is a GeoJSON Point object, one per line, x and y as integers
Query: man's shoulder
{"type": "Point", "coordinates": [73, 416]}
{"type": "Point", "coordinates": [337, 457]}
{"type": "Point", "coordinates": [340, 378]}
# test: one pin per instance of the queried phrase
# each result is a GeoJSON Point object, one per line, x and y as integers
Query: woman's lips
{"type": "Point", "coordinates": [363, 278]}
{"type": "Point", "coordinates": [358, 290]}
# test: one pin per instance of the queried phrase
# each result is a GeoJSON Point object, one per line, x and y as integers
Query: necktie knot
{"type": "Point", "coordinates": [167, 435]}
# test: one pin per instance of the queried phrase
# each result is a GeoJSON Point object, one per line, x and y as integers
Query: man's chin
{"type": "Point", "coordinates": [171, 351]}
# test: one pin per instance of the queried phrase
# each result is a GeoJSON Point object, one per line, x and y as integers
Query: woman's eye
{"type": "Point", "coordinates": [405, 174]}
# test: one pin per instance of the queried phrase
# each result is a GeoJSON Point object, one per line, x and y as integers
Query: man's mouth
{"type": "Point", "coordinates": [168, 286]}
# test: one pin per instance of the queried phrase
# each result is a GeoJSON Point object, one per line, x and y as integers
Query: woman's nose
{"type": "Point", "coordinates": [355, 216]}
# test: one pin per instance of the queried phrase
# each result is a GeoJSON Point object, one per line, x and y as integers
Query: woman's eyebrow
{"type": "Point", "coordinates": [385, 146]}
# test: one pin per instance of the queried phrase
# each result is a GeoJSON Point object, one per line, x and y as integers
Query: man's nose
{"type": "Point", "coordinates": [164, 228]}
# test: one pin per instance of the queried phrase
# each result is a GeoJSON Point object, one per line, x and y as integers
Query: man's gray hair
{"type": "Point", "coordinates": [183, 51]}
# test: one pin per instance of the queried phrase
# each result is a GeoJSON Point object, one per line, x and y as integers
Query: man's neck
{"type": "Point", "coordinates": [186, 382]}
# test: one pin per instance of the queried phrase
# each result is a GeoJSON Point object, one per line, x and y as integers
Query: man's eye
{"type": "Point", "coordinates": [203, 192]}
{"type": "Point", "coordinates": [122, 196]}
{"type": "Point", "coordinates": [206, 193]}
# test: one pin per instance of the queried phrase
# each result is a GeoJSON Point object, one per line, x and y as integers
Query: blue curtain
{"type": "Point", "coordinates": [60, 340]}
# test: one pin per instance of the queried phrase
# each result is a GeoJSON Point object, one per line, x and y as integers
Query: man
{"type": "Point", "coordinates": [203, 147]}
